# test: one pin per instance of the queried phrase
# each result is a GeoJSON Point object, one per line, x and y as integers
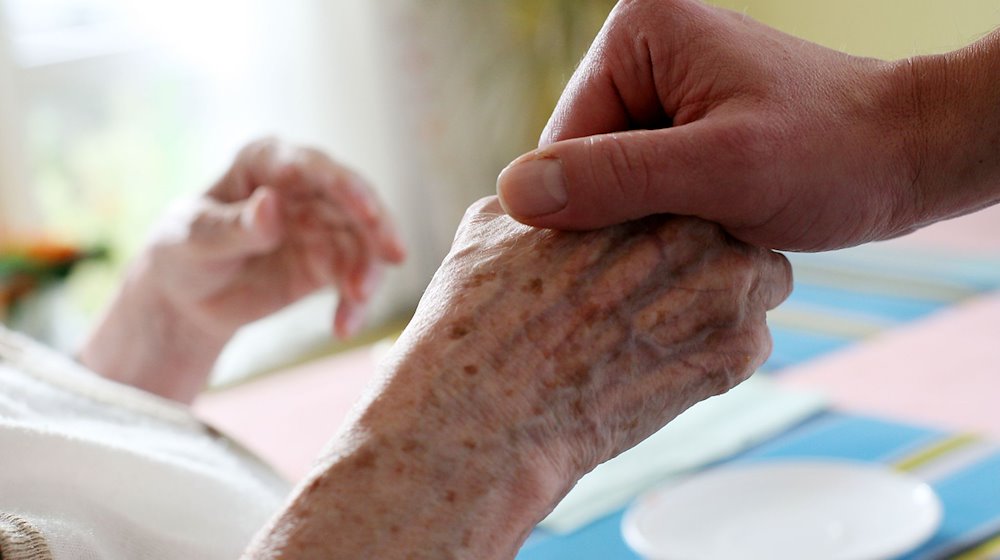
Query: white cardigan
{"type": "Point", "coordinates": [91, 469]}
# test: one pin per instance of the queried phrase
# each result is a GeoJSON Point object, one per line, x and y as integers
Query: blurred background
{"type": "Point", "coordinates": [110, 109]}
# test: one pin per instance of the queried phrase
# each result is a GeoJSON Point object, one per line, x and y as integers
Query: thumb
{"type": "Point", "coordinates": [239, 229]}
{"type": "Point", "coordinates": [592, 182]}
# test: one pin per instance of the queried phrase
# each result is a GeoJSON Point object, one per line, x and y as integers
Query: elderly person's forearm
{"type": "Point", "coordinates": [534, 356]}
{"type": "Point", "coordinates": [282, 222]}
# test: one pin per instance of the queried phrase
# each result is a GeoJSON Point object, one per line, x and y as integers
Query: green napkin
{"type": "Point", "coordinates": [709, 432]}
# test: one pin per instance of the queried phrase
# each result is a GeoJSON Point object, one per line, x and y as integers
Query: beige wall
{"type": "Point", "coordinates": [881, 28]}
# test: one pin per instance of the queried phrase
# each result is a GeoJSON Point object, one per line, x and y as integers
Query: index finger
{"type": "Point", "coordinates": [614, 88]}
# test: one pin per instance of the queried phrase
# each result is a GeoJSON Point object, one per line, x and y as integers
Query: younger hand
{"type": "Point", "coordinates": [685, 108]}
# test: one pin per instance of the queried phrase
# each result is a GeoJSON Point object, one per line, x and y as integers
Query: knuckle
{"type": "Point", "coordinates": [259, 146]}
{"type": "Point", "coordinates": [290, 172]}
{"type": "Point", "coordinates": [785, 276]}
{"type": "Point", "coordinates": [485, 205]}
{"type": "Point", "coordinates": [614, 166]}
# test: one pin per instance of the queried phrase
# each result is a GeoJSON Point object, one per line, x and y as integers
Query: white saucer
{"type": "Point", "coordinates": [816, 510]}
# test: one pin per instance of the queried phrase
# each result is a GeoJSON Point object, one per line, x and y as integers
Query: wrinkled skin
{"type": "Point", "coordinates": [533, 356]}
{"type": "Point", "coordinates": [684, 108]}
{"type": "Point", "coordinates": [283, 222]}
{"type": "Point", "coordinates": [607, 334]}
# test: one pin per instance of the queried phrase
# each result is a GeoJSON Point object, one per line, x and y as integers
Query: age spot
{"type": "Point", "coordinates": [535, 286]}
{"type": "Point", "coordinates": [480, 278]}
{"type": "Point", "coordinates": [458, 330]}
{"type": "Point", "coordinates": [365, 459]}
{"type": "Point", "coordinates": [470, 369]}
{"type": "Point", "coordinates": [410, 446]}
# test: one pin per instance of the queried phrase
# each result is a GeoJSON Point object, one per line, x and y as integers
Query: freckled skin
{"type": "Point", "coordinates": [459, 330]}
{"type": "Point", "coordinates": [535, 286]}
{"type": "Point", "coordinates": [534, 356]}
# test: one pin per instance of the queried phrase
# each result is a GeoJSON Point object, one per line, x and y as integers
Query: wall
{"type": "Point", "coordinates": [888, 29]}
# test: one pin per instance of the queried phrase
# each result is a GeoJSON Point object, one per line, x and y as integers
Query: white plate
{"type": "Point", "coordinates": [815, 510]}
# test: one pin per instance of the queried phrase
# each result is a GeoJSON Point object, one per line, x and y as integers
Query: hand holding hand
{"type": "Point", "coordinates": [684, 108]}
{"type": "Point", "coordinates": [533, 356]}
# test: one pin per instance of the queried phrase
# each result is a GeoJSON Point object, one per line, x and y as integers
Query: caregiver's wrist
{"type": "Point", "coordinates": [955, 100]}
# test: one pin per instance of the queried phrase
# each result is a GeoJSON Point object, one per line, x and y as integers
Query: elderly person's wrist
{"type": "Point", "coordinates": [143, 339]}
{"type": "Point", "coordinates": [533, 356]}
{"type": "Point", "coordinates": [417, 475]}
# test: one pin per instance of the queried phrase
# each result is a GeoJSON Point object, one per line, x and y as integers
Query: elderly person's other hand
{"type": "Point", "coordinates": [685, 108]}
{"type": "Point", "coordinates": [283, 222]}
{"type": "Point", "coordinates": [534, 356]}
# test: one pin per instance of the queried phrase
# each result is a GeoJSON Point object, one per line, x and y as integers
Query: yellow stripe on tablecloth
{"type": "Point", "coordinates": [989, 550]}
{"type": "Point", "coordinates": [933, 452]}
{"type": "Point", "coordinates": [794, 316]}
{"type": "Point", "coordinates": [879, 283]}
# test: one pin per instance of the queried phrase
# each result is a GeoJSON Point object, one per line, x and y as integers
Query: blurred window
{"type": "Point", "coordinates": [121, 106]}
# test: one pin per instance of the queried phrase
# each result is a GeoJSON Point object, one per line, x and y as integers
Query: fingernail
{"type": "Point", "coordinates": [533, 187]}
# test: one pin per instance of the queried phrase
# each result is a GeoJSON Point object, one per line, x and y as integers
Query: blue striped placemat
{"type": "Point", "coordinates": [845, 296]}
{"type": "Point", "coordinates": [963, 469]}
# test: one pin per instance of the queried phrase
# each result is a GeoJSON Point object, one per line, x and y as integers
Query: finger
{"type": "Point", "coordinates": [589, 105]}
{"type": "Point", "coordinates": [348, 318]}
{"type": "Point", "coordinates": [373, 217]}
{"type": "Point", "coordinates": [700, 169]}
{"type": "Point", "coordinates": [370, 279]}
{"type": "Point", "coordinates": [777, 280]}
{"type": "Point", "coordinates": [361, 272]}
{"type": "Point", "coordinates": [248, 170]}
{"type": "Point", "coordinates": [486, 206]}
{"type": "Point", "coordinates": [349, 257]}
{"type": "Point", "coordinates": [249, 227]}
{"type": "Point", "coordinates": [614, 88]}
{"type": "Point", "coordinates": [390, 244]}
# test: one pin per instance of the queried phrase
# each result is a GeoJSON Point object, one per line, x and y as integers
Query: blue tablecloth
{"type": "Point", "coordinates": [963, 469]}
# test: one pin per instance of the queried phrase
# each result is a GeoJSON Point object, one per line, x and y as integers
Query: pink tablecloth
{"type": "Point", "coordinates": [943, 371]}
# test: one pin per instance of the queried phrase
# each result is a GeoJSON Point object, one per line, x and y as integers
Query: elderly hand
{"type": "Point", "coordinates": [283, 222]}
{"type": "Point", "coordinates": [684, 108]}
{"type": "Point", "coordinates": [534, 356]}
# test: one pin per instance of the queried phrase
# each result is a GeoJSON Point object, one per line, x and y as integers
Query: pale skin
{"type": "Point", "coordinates": [684, 108]}
{"type": "Point", "coordinates": [281, 223]}
{"type": "Point", "coordinates": [534, 356]}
